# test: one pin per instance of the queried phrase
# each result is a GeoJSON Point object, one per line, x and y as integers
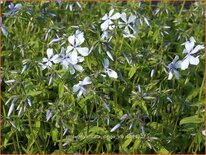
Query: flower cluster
{"type": "Point", "coordinates": [128, 24]}
{"type": "Point", "coordinates": [190, 49]}
{"type": "Point", "coordinates": [68, 58]}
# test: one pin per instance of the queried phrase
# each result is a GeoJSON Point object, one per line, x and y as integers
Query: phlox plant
{"type": "Point", "coordinates": [96, 77]}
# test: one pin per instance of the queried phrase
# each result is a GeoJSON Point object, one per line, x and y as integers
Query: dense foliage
{"type": "Point", "coordinates": [93, 77]}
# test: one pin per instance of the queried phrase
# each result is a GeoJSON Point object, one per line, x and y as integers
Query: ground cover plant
{"type": "Point", "coordinates": [97, 77]}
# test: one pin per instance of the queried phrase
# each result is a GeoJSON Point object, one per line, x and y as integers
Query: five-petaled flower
{"type": "Point", "coordinates": [128, 25]}
{"type": "Point", "coordinates": [108, 71]}
{"type": "Point", "coordinates": [76, 40]}
{"type": "Point", "coordinates": [172, 67]}
{"type": "Point", "coordinates": [67, 62]}
{"type": "Point", "coordinates": [108, 23]}
{"type": "Point", "coordinates": [189, 49]}
{"type": "Point", "coordinates": [47, 62]}
{"type": "Point", "coordinates": [80, 87]}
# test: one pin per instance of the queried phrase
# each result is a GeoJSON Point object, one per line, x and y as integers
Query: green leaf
{"type": "Point", "coordinates": [132, 71]}
{"type": "Point", "coordinates": [7, 138]}
{"type": "Point", "coordinates": [61, 89]}
{"type": "Point", "coordinates": [98, 130]}
{"type": "Point", "coordinates": [126, 143]}
{"type": "Point", "coordinates": [37, 124]}
{"type": "Point", "coordinates": [136, 144]}
{"type": "Point", "coordinates": [54, 134]}
{"type": "Point", "coordinates": [163, 151]}
{"type": "Point", "coordinates": [34, 93]}
{"type": "Point", "coordinates": [192, 119]}
{"type": "Point", "coordinates": [142, 105]}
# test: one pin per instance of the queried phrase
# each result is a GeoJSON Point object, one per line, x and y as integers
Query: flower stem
{"type": "Point", "coordinates": [61, 138]}
{"type": "Point", "coordinates": [33, 136]}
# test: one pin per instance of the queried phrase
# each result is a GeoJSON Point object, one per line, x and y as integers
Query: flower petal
{"type": "Point", "coordinates": [131, 18]}
{"type": "Point", "coordinates": [69, 49]}
{"type": "Point", "coordinates": [115, 127]}
{"type": "Point", "coordinates": [124, 17]}
{"type": "Point", "coordinates": [192, 39]}
{"type": "Point", "coordinates": [170, 75]}
{"type": "Point", "coordinates": [106, 63]}
{"type": "Point", "coordinates": [185, 63]}
{"type": "Point", "coordinates": [71, 39]}
{"type": "Point", "coordinates": [175, 59]}
{"type": "Point", "coordinates": [78, 68]}
{"type": "Point", "coordinates": [44, 60]}
{"type": "Point", "coordinates": [49, 52]}
{"type": "Point", "coordinates": [189, 46]}
{"type": "Point", "coordinates": [56, 59]}
{"type": "Point", "coordinates": [73, 57]}
{"type": "Point", "coordinates": [116, 16]}
{"type": "Point", "coordinates": [197, 48]}
{"type": "Point", "coordinates": [104, 26]}
{"type": "Point", "coordinates": [11, 108]}
{"type": "Point", "coordinates": [105, 17]}
{"type": "Point", "coordinates": [71, 69]}
{"type": "Point", "coordinates": [194, 60]}
{"type": "Point", "coordinates": [86, 81]}
{"type": "Point", "coordinates": [65, 64]}
{"type": "Point", "coordinates": [146, 21]}
{"type": "Point", "coordinates": [111, 12]}
{"type": "Point", "coordinates": [112, 73]}
{"type": "Point", "coordinates": [84, 51]}
{"type": "Point", "coordinates": [79, 94]}
{"type": "Point", "coordinates": [109, 55]}
{"type": "Point", "coordinates": [176, 73]}
{"type": "Point", "coordinates": [76, 87]}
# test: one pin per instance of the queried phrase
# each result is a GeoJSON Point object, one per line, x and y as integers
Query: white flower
{"type": "Point", "coordinates": [116, 127]}
{"type": "Point", "coordinates": [29, 101]}
{"type": "Point", "coordinates": [67, 61]}
{"type": "Point", "coordinates": [80, 87]}
{"type": "Point", "coordinates": [108, 71]}
{"type": "Point", "coordinates": [152, 72]}
{"type": "Point", "coordinates": [106, 36]}
{"type": "Point", "coordinates": [109, 55]}
{"type": "Point", "coordinates": [189, 49]}
{"type": "Point", "coordinates": [76, 40]}
{"type": "Point", "coordinates": [173, 68]}
{"type": "Point", "coordinates": [10, 81]}
{"type": "Point", "coordinates": [108, 20]}
{"type": "Point", "coordinates": [3, 28]}
{"type": "Point", "coordinates": [47, 62]}
{"type": "Point", "coordinates": [48, 115]}
{"type": "Point", "coordinates": [128, 24]}
{"type": "Point", "coordinates": [13, 9]}
{"type": "Point", "coordinates": [169, 99]}
{"type": "Point", "coordinates": [11, 109]}
{"type": "Point", "coordinates": [70, 5]}
{"type": "Point", "coordinates": [204, 132]}
{"type": "Point", "coordinates": [55, 40]}
{"type": "Point", "coordinates": [146, 21]}
{"type": "Point", "coordinates": [106, 106]}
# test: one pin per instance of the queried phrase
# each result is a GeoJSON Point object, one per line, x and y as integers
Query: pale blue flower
{"type": "Point", "coordinates": [108, 71]}
{"type": "Point", "coordinates": [116, 127]}
{"type": "Point", "coordinates": [172, 67]}
{"type": "Point", "coordinates": [108, 20]}
{"type": "Point", "coordinates": [80, 87]}
{"type": "Point", "coordinates": [190, 49]}
{"type": "Point", "coordinates": [51, 58]}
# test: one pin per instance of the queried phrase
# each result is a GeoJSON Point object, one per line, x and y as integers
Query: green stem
{"type": "Point", "coordinates": [61, 138]}
{"type": "Point", "coordinates": [200, 93]}
{"type": "Point", "coordinates": [30, 127]}
{"type": "Point", "coordinates": [17, 139]}
{"type": "Point", "coordinates": [183, 4]}
{"type": "Point", "coordinates": [14, 145]}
